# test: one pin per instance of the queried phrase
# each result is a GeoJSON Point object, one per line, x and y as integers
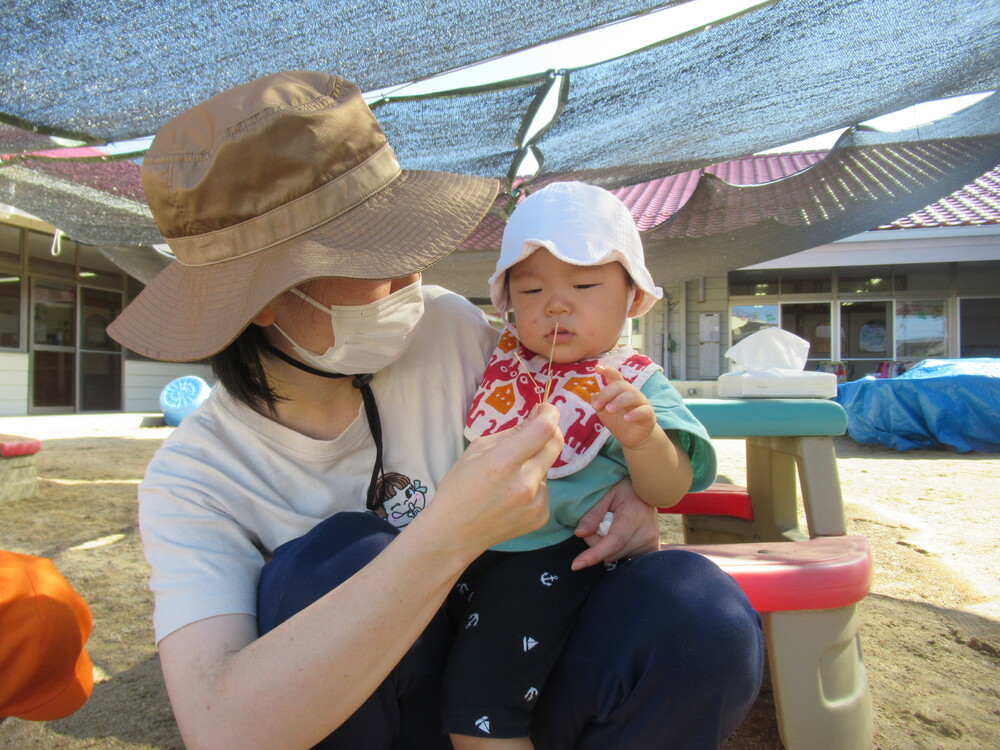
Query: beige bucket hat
{"type": "Point", "coordinates": [273, 183]}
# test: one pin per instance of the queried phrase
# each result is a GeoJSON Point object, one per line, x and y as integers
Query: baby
{"type": "Point", "coordinates": [571, 268]}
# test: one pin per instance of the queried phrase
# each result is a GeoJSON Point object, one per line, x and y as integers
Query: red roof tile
{"type": "Point", "coordinates": [652, 203]}
{"type": "Point", "coordinates": [976, 204]}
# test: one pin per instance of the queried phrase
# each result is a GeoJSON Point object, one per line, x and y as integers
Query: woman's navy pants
{"type": "Point", "coordinates": [666, 653]}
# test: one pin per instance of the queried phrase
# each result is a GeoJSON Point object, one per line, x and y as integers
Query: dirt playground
{"type": "Point", "coordinates": [930, 626]}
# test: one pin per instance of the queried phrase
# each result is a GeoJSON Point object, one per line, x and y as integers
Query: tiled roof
{"type": "Point", "coordinates": [652, 203]}
{"type": "Point", "coordinates": [976, 204]}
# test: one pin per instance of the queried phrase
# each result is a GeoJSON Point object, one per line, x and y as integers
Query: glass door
{"type": "Point", "coordinates": [53, 348]}
{"type": "Point", "coordinates": [100, 355]}
{"type": "Point", "coordinates": [810, 321]}
{"type": "Point", "coordinates": [866, 329]}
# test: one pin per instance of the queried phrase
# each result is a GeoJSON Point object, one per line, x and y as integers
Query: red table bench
{"type": "Point", "coordinates": [805, 583]}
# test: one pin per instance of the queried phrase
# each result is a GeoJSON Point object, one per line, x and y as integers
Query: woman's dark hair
{"type": "Point", "coordinates": [240, 369]}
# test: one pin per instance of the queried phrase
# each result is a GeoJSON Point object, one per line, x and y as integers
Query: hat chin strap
{"type": "Point", "coordinates": [363, 384]}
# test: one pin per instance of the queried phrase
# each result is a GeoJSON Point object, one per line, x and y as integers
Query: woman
{"type": "Point", "coordinates": [299, 243]}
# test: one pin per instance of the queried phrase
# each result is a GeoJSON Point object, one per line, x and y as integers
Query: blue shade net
{"type": "Point", "coordinates": [779, 72]}
{"type": "Point", "coordinates": [113, 71]}
{"type": "Point", "coordinates": [937, 404]}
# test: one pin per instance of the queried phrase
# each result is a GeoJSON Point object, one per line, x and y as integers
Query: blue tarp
{"type": "Point", "coordinates": [938, 403]}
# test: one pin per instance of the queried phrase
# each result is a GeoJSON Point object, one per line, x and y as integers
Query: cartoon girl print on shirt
{"type": "Point", "coordinates": [401, 498]}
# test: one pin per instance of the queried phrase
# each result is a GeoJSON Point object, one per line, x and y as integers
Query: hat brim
{"type": "Point", "coordinates": [72, 689]}
{"type": "Point", "coordinates": [189, 313]}
{"type": "Point", "coordinates": [71, 697]}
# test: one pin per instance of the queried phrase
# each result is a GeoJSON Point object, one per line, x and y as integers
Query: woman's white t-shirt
{"type": "Point", "coordinates": [229, 485]}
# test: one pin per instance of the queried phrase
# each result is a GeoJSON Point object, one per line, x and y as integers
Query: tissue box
{"type": "Point", "coordinates": [774, 382]}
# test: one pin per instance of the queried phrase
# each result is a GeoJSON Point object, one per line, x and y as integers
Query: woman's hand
{"type": "Point", "coordinates": [633, 532]}
{"type": "Point", "coordinates": [496, 490]}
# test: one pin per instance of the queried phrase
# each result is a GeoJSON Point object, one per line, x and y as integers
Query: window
{"type": "Point", "coordinates": [98, 309]}
{"type": "Point", "coordinates": [55, 315]}
{"type": "Point", "coordinates": [747, 319]}
{"type": "Point", "coordinates": [755, 282]}
{"type": "Point", "coordinates": [866, 336]}
{"type": "Point", "coordinates": [632, 333]}
{"type": "Point", "coordinates": [883, 316]}
{"type": "Point", "coordinates": [10, 247]}
{"type": "Point", "coordinates": [42, 261]}
{"type": "Point", "coordinates": [763, 281]}
{"type": "Point", "coordinates": [865, 280]}
{"type": "Point", "coordinates": [97, 270]}
{"type": "Point", "coordinates": [809, 321]}
{"type": "Point", "coordinates": [806, 281]}
{"type": "Point", "coordinates": [920, 330]}
{"type": "Point", "coordinates": [979, 321]}
{"type": "Point", "coordinates": [921, 277]}
{"type": "Point", "coordinates": [10, 311]}
{"type": "Point", "coordinates": [53, 379]}
{"type": "Point", "coordinates": [979, 277]}
{"type": "Point", "coordinates": [11, 287]}
{"type": "Point", "coordinates": [100, 358]}
{"type": "Point", "coordinates": [100, 382]}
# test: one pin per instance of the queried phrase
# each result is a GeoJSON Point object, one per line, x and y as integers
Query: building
{"type": "Point", "coordinates": [924, 286]}
{"type": "Point", "coordinates": [56, 298]}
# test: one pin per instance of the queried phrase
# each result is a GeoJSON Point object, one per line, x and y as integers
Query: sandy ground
{"type": "Point", "coordinates": [930, 627]}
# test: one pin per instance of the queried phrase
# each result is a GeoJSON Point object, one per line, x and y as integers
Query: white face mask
{"type": "Point", "coordinates": [366, 338]}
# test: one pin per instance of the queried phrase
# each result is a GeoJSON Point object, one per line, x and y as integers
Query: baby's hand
{"type": "Point", "coordinates": [623, 409]}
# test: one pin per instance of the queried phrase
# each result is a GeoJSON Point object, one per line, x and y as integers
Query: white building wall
{"type": "Point", "coordinates": [707, 295]}
{"type": "Point", "coordinates": [144, 379]}
{"type": "Point", "coordinates": [650, 342]}
{"type": "Point", "coordinates": [669, 322]}
{"type": "Point", "coordinates": [13, 384]}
